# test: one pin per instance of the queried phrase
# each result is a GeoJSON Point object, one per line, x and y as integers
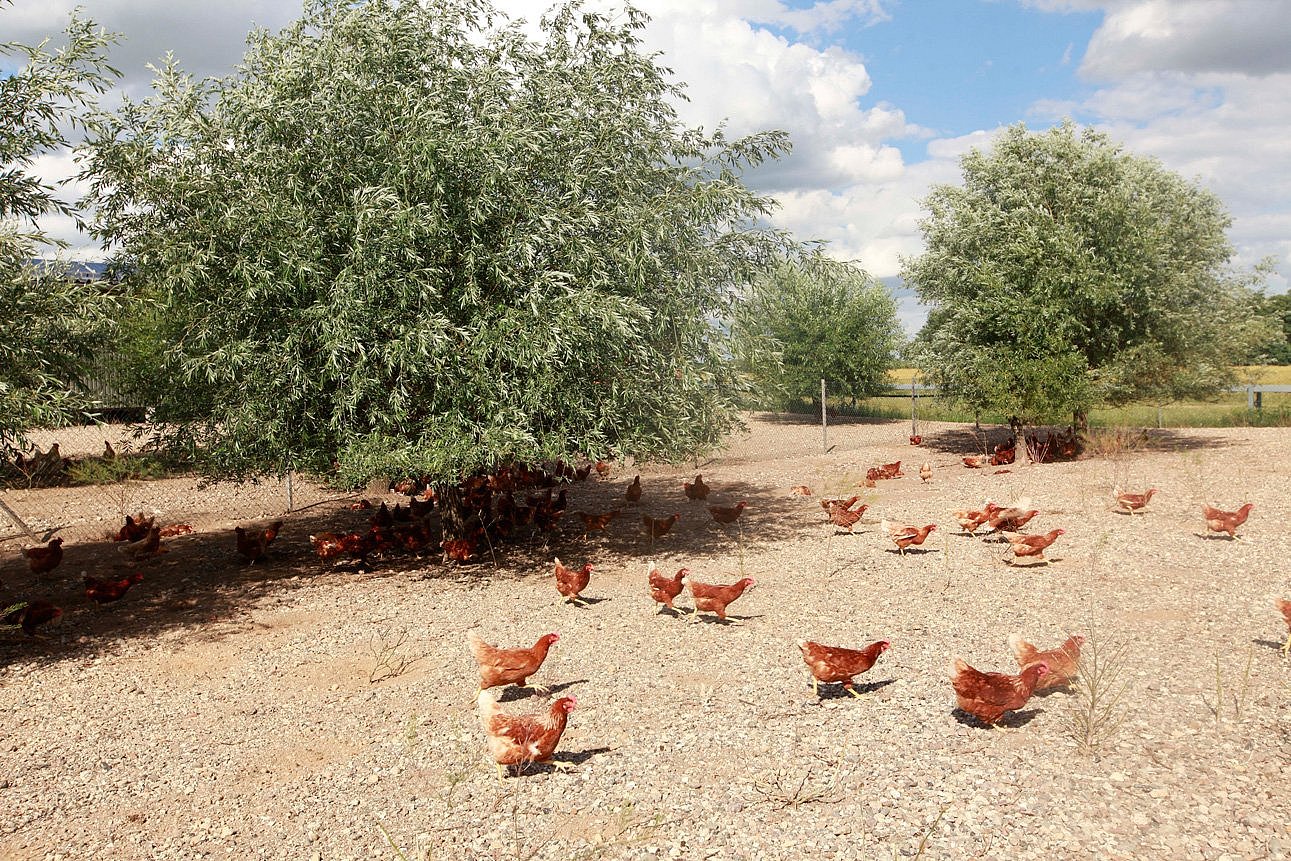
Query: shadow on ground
{"type": "Point", "coordinates": [201, 580]}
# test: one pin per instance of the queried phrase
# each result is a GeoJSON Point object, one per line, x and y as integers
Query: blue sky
{"type": "Point", "coordinates": [954, 67]}
{"type": "Point", "coordinates": [882, 97]}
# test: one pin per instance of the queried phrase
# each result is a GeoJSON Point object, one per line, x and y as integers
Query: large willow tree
{"type": "Point", "coordinates": [51, 327]}
{"type": "Point", "coordinates": [406, 237]}
{"type": "Point", "coordinates": [1066, 273]}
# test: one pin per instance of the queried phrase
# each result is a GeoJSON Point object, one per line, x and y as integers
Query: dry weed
{"type": "Point", "coordinates": [1098, 713]}
{"type": "Point", "coordinates": [386, 650]}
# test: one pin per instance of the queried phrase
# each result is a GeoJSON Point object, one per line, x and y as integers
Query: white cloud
{"type": "Point", "coordinates": [1247, 36]}
{"type": "Point", "coordinates": [755, 79]}
{"type": "Point", "coordinates": [825, 16]}
{"type": "Point", "coordinates": [207, 38]}
{"type": "Point", "coordinates": [1186, 81]}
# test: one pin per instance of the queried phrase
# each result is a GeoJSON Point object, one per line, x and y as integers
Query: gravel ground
{"type": "Point", "coordinates": [225, 711]}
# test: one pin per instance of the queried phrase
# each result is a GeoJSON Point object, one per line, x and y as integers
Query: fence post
{"type": "Point", "coordinates": [914, 421]}
{"type": "Point", "coordinates": [824, 420]}
{"type": "Point", "coordinates": [1250, 397]}
{"type": "Point", "coordinates": [18, 521]}
{"type": "Point", "coordinates": [291, 490]}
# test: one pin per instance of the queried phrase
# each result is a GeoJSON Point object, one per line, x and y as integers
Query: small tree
{"type": "Point", "coordinates": [51, 325]}
{"type": "Point", "coordinates": [403, 239]}
{"type": "Point", "coordinates": [1066, 273]}
{"type": "Point", "coordinates": [1277, 309]}
{"type": "Point", "coordinates": [815, 319]}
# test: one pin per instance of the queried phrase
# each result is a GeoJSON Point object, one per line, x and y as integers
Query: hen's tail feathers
{"type": "Point", "coordinates": [1021, 649]}
{"type": "Point", "coordinates": [487, 704]}
{"type": "Point", "coordinates": [958, 666]}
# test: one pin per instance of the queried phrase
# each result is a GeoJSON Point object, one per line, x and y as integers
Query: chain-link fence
{"type": "Point", "coordinates": [80, 482]}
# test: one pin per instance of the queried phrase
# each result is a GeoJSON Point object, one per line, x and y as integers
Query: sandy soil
{"type": "Point", "coordinates": [226, 711]}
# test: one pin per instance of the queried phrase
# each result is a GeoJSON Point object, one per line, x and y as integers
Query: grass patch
{"type": "Point", "coordinates": [1228, 411]}
{"type": "Point", "coordinates": [1266, 375]}
{"type": "Point", "coordinates": [123, 467]}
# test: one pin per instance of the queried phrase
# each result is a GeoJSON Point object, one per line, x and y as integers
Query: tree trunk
{"type": "Point", "coordinates": [1080, 421]}
{"type": "Point", "coordinates": [452, 514]}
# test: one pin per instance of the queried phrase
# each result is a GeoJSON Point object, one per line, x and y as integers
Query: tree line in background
{"type": "Point", "coordinates": [411, 239]}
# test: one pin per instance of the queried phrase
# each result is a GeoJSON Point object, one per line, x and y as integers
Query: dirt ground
{"type": "Point", "coordinates": [227, 711]}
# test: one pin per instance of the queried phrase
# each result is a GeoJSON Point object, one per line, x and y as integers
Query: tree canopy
{"type": "Point", "coordinates": [51, 325]}
{"type": "Point", "coordinates": [410, 238]}
{"type": "Point", "coordinates": [815, 319]}
{"type": "Point", "coordinates": [1065, 272]}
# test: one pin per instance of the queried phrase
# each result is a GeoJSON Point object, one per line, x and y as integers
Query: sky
{"type": "Point", "coordinates": [882, 97]}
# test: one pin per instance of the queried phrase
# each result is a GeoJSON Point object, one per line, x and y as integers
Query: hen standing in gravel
{"type": "Point", "coordinates": [987, 696]}
{"type": "Point", "coordinates": [830, 664]}
{"type": "Point", "coordinates": [664, 590]}
{"type": "Point", "coordinates": [1063, 662]}
{"type": "Point", "coordinates": [45, 559]}
{"type": "Point", "coordinates": [522, 739]}
{"type": "Point", "coordinates": [713, 598]}
{"type": "Point", "coordinates": [1226, 521]}
{"type": "Point", "coordinates": [509, 666]}
{"type": "Point", "coordinates": [570, 583]}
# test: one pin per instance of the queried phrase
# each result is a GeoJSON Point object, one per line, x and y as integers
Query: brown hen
{"type": "Point", "coordinates": [509, 666]}
{"type": "Point", "coordinates": [571, 582]}
{"type": "Point", "coordinates": [832, 664]}
{"type": "Point", "coordinates": [517, 740]}
{"type": "Point", "coordinates": [988, 696]}
{"type": "Point", "coordinates": [1063, 662]}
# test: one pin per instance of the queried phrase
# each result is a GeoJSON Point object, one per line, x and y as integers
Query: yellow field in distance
{"type": "Point", "coordinates": [1269, 375]}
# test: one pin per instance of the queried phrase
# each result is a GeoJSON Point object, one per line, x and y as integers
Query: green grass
{"type": "Point", "coordinates": [1229, 410]}
{"type": "Point", "coordinates": [124, 467]}
{"type": "Point", "coordinates": [1268, 375]}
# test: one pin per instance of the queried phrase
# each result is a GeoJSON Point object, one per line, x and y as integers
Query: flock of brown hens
{"type": "Point", "coordinates": [139, 540]}
{"type": "Point", "coordinates": [517, 740]}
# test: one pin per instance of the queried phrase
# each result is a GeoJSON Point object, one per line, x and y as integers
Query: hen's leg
{"type": "Point", "coordinates": [542, 689]}
{"type": "Point", "coordinates": [815, 683]}
{"type": "Point", "coordinates": [500, 767]}
{"type": "Point", "coordinates": [851, 690]}
{"type": "Point", "coordinates": [1286, 647]}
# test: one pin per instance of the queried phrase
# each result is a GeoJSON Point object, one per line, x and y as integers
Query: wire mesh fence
{"type": "Point", "coordinates": [80, 482]}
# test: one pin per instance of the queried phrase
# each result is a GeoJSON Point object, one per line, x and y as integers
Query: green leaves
{"type": "Point", "coordinates": [816, 318]}
{"type": "Point", "coordinates": [1066, 273]}
{"type": "Point", "coordinates": [406, 238]}
{"type": "Point", "coordinates": [52, 326]}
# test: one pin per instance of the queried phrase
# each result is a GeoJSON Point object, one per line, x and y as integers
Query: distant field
{"type": "Point", "coordinates": [902, 375]}
{"type": "Point", "coordinates": [1227, 411]}
{"type": "Point", "coordinates": [1269, 375]}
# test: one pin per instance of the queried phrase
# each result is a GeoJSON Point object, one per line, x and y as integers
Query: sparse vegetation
{"type": "Point", "coordinates": [796, 785]}
{"type": "Point", "coordinates": [1097, 709]}
{"type": "Point", "coordinates": [1216, 702]}
{"type": "Point", "coordinates": [390, 660]}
